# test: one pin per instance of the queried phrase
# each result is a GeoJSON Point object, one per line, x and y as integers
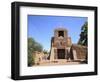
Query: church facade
{"type": "Point", "coordinates": [62, 51]}
{"type": "Point", "coordinates": [62, 47]}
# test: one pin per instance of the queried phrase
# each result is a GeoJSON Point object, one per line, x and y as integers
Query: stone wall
{"type": "Point", "coordinates": [78, 52]}
{"type": "Point", "coordinates": [39, 57]}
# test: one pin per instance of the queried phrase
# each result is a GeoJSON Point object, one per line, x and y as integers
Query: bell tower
{"type": "Point", "coordinates": [60, 44]}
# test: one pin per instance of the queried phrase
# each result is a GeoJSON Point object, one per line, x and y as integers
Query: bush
{"type": "Point", "coordinates": [33, 46]}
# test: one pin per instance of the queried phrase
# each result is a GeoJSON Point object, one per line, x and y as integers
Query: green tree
{"type": "Point", "coordinates": [83, 36]}
{"type": "Point", "coordinates": [45, 52]}
{"type": "Point", "coordinates": [33, 46]}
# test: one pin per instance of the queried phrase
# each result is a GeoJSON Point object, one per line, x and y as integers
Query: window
{"type": "Point", "coordinates": [61, 33]}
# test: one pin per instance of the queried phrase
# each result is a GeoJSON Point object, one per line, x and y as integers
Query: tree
{"type": "Point", "coordinates": [32, 47]}
{"type": "Point", "coordinates": [83, 36]}
{"type": "Point", "coordinates": [45, 52]}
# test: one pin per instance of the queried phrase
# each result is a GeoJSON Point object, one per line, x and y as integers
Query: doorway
{"type": "Point", "coordinates": [61, 53]}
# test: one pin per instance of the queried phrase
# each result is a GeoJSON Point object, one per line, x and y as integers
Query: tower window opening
{"type": "Point", "coordinates": [61, 33]}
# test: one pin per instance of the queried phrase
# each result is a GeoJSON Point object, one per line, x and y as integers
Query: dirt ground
{"type": "Point", "coordinates": [57, 62]}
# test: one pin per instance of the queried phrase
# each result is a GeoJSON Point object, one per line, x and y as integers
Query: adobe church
{"type": "Point", "coordinates": [62, 51]}
{"type": "Point", "coordinates": [62, 47]}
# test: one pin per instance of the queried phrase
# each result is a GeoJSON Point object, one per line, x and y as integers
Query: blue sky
{"type": "Point", "coordinates": [41, 28]}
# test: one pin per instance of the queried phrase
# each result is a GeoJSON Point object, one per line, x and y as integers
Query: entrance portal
{"type": "Point", "coordinates": [61, 53]}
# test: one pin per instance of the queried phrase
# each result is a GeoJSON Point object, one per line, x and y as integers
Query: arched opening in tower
{"type": "Point", "coordinates": [61, 33]}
